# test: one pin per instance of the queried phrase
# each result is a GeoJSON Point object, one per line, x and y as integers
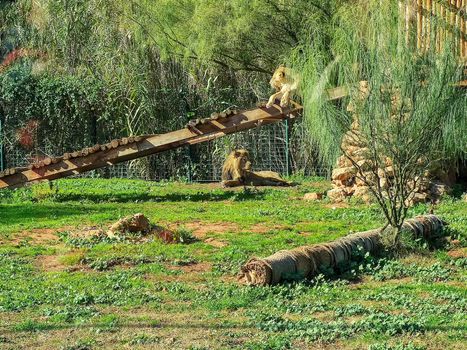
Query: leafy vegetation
{"type": "Point", "coordinates": [145, 292]}
{"type": "Point", "coordinates": [396, 99]}
{"type": "Point", "coordinates": [118, 68]}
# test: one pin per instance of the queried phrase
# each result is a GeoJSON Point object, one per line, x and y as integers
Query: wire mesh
{"type": "Point", "coordinates": [269, 148]}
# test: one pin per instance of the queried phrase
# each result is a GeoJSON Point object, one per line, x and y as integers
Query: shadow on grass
{"type": "Point", "coordinates": [43, 326]}
{"type": "Point", "coordinates": [246, 194]}
{"type": "Point", "coordinates": [21, 213]}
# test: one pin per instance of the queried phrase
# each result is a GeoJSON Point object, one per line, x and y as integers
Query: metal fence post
{"type": "Point", "coordinates": [190, 165]}
{"type": "Point", "coordinates": [287, 160]}
{"type": "Point", "coordinates": [1, 146]}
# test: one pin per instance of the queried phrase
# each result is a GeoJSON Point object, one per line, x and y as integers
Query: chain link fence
{"type": "Point", "coordinates": [277, 147]}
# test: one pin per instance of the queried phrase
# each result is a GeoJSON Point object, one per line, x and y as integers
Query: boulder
{"type": "Point", "coordinates": [361, 191]}
{"type": "Point", "coordinates": [134, 223]}
{"type": "Point", "coordinates": [359, 181]}
{"type": "Point", "coordinates": [343, 162]}
{"type": "Point", "coordinates": [343, 174]}
{"type": "Point", "coordinates": [336, 195]}
{"type": "Point", "coordinates": [439, 189]}
{"type": "Point", "coordinates": [365, 164]}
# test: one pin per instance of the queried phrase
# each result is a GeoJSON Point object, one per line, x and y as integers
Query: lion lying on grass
{"type": "Point", "coordinates": [237, 172]}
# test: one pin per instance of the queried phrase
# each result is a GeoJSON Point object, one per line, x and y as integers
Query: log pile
{"type": "Point", "coordinates": [308, 261]}
{"type": "Point", "coordinates": [192, 124]}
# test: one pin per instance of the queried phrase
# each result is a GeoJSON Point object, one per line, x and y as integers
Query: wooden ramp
{"type": "Point", "coordinates": [129, 148]}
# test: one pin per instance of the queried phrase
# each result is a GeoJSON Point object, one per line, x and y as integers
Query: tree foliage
{"type": "Point", "coordinates": [409, 111]}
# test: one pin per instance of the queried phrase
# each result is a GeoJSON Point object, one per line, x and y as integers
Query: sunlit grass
{"type": "Point", "coordinates": [145, 291]}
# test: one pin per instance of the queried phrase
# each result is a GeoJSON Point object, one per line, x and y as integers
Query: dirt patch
{"type": "Point", "coordinates": [40, 236]}
{"type": "Point", "coordinates": [87, 232]}
{"type": "Point", "coordinates": [458, 253]}
{"type": "Point", "coordinates": [193, 268]}
{"type": "Point", "coordinates": [216, 242]}
{"type": "Point", "coordinates": [49, 263]}
{"type": "Point", "coordinates": [201, 229]}
{"type": "Point", "coordinates": [265, 228]}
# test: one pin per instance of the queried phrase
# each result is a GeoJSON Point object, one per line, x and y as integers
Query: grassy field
{"type": "Point", "coordinates": [63, 289]}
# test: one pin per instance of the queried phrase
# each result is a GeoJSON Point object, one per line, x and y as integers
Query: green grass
{"type": "Point", "coordinates": [144, 293]}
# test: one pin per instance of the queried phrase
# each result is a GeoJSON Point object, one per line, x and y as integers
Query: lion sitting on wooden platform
{"type": "Point", "coordinates": [236, 171]}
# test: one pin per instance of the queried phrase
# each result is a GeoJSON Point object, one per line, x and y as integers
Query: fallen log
{"type": "Point", "coordinates": [308, 261]}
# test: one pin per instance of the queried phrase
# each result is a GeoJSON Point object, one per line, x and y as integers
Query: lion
{"type": "Point", "coordinates": [286, 83]}
{"type": "Point", "coordinates": [235, 167]}
{"type": "Point", "coordinates": [236, 171]}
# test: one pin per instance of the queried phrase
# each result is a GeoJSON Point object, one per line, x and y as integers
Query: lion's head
{"type": "Point", "coordinates": [279, 78]}
{"type": "Point", "coordinates": [236, 164]}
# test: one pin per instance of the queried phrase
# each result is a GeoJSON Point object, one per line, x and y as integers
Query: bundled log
{"type": "Point", "coordinates": [307, 261]}
{"type": "Point", "coordinates": [124, 141]}
{"type": "Point", "coordinates": [193, 123]}
{"type": "Point", "coordinates": [114, 143]}
{"type": "Point", "coordinates": [12, 171]}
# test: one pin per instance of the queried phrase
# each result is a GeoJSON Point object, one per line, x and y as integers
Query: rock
{"type": "Point", "coordinates": [364, 193]}
{"type": "Point", "coordinates": [166, 236]}
{"type": "Point", "coordinates": [464, 197]}
{"type": "Point", "coordinates": [365, 164]}
{"type": "Point", "coordinates": [359, 181]}
{"type": "Point", "coordinates": [351, 150]}
{"type": "Point", "coordinates": [313, 196]}
{"type": "Point", "coordinates": [390, 171]}
{"type": "Point", "coordinates": [345, 183]}
{"type": "Point", "coordinates": [336, 195]}
{"type": "Point", "coordinates": [343, 173]}
{"type": "Point", "coordinates": [383, 183]}
{"type": "Point", "coordinates": [351, 140]}
{"type": "Point", "coordinates": [361, 191]}
{"type": "Point", "coordinates": [361, 153]}
{"type": "Point", "coordinates": [418, 198]}
{"type": "Point", "coordinates": [370, 177]}
{"type": "Point", "coordinates": [343, 162]}
{"type": "Point", "coordinates": [135, 223]}
{"type": "Point", "coordinates": [438, 189]}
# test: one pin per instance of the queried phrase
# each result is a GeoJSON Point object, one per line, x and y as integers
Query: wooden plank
{"type": "Point", "coordinates": [463, 28]}
{"type": "Point", "coordinates": [419, 24]}
{"type": "Point", "coordinates": [429, 21]}
{"type": "Point", "coordinates": [458, 23]}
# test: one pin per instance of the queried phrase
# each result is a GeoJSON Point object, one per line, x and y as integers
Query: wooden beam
{"type": "Point", "coordinates": [140, 146]}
